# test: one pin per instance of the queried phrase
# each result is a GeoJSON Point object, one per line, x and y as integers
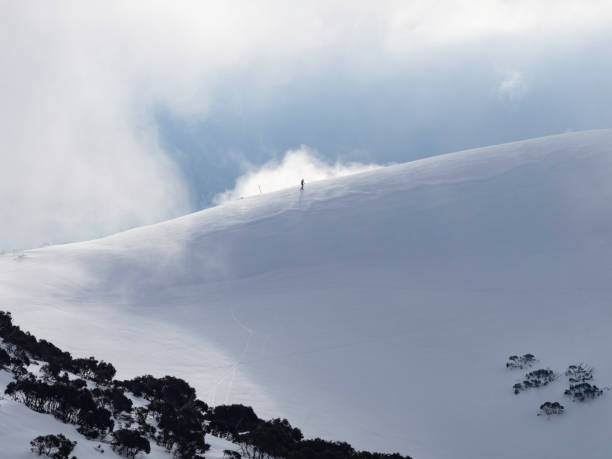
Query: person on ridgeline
{"type": "Point", "coordinates": [302, 185]}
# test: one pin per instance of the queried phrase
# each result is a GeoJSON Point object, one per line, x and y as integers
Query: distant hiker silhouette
{"type": "Point", "coordinates": [302, 185]}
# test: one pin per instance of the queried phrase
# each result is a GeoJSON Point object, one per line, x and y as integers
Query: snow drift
{"type": "Point", "coordinates": [378, 308]}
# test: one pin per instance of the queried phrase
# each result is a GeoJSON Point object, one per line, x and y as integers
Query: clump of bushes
{"type": "Point", "coordinates": [579, 389]}
{"type": "Point", "coordinates": [53, 446]}
{"type": "Point", "coordinates": [65, 402]}
{"type": "Point", "coordinates": [580, 379]}
{"type": "Point", "coordinates": [113, 399]}
{"type": "Point", "coordinates": [534, 379]}
{"type": "Point", "coordinates": [579, 373]}
{"type": "Point", "coordinates": [180, 416]}
{"type": "Point", "coordinates": [275, 438]}
{"type": "Point", "coordinates": [551, 408]}
{"type": "Point", "coordinates": [174, 391]}
{"type": "Point", "coordinates": [583, 391]}
{"type": "Point", "coordinates": [521, 362]}
{"type": "Point", "coordinates": [100, 372]}
{"type": "Point", "coordinates": [227, 421]}
{"type": "Point", "coordinates": [129, 443]}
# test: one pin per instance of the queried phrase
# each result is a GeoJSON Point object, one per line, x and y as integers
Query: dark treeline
{"type": "Point", "coordinates": [173, 416]}
{"type": "Point", "coordinates": [66, 402]}
{"type": "Point", "coordinates": [44, 350]}
{"type": "Point", "coordinates": [277, 438]}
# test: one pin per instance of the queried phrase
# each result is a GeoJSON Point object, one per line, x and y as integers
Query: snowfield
{"type": "Point", "coordinates": [378, 308]}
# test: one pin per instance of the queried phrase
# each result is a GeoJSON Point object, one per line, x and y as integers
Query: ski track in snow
{"type": "Point", "coordinates": [378, 308]}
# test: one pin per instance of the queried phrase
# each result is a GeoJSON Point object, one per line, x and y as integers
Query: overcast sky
{"type": "Point", "coordinates": [118, 114]}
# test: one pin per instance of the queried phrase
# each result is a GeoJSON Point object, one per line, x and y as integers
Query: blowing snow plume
{"type": "Point", "coordinates": [303, 163]}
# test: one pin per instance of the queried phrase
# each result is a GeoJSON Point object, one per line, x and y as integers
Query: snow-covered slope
{"type": "Point", "coordinates": [378, 308]}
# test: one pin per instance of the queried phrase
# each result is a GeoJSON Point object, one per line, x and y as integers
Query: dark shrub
{"type": "Point", "coordinates": [551, 408]}
{"type": "Point", "coordinates": [114, 399]}
{"type": "Point", "coordinates": [579, 373]}
{"type": "Point", "coordinates": [318, 448]}
{"type": "Point", "coordinates": [229, 420]}
{"type": "Point", "coordinates": [54, 446]}
{"type": "Point", "coordinates": [5, 358]}
{"type": "Point", "coordinates": [174, 391]}
{"type": "Point", "coordinates": [129, 443]}
{"type": "Point", "coordinates": [78, 383]}
{"type": "Point", "coordinates": [90, 368]}
{"type": "Point", "coordinates": [520, 362]}
{"type": "Point", "coordinates": [96, 422]}
{"type": "Point", "coordinates": [276, 438]}
{"type": "Point", "coordinates": [65, 402]}
{"type": "Point", "coordinates": [51, 371]}
{"type": "Point", "coordinates": [534, 379]}
{"type": "Point", "coordinates": [181, 428]}
{"type": "Point", "coordinates": [583, 391]}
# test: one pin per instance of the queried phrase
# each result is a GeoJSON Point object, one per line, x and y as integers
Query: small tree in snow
{"type": "Point", "coordinates": [551, 408]}
{"type": "Point", "coordinates": [53, 446]}
{"type": "Point", "coordinates": [129, 443]}
{"type": "Point", "coordinates": [520, 361]}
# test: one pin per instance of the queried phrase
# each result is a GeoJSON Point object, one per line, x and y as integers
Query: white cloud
{"type": "Point", "coordinates": [303, 163]}
{"type": "Point", "coordinates": [512, 86]}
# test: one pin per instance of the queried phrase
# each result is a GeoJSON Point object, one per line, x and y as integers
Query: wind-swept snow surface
{"type": "Point", "coordinates": [378, 308]}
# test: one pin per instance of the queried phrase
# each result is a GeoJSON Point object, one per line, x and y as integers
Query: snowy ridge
{"type": "Point", "coordinates": [378, 308]}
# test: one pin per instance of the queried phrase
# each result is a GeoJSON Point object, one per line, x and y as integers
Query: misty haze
{"type": "Point", "coordinates": [305, 230]}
